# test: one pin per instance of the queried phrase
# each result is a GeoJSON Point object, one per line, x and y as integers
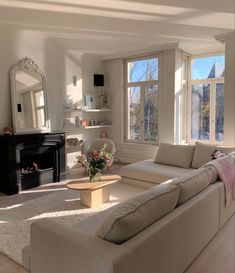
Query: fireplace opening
{"type": "Point", "coordinates": [38, 166]}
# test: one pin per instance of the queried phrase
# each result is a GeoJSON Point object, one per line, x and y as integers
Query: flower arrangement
{"type": "Point", "coordinates": [96, 160]}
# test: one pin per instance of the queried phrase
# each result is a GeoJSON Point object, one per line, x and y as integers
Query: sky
{"type": "Point", "coordinates": [201, 67]}
{"type": "Point", "coordinates": [141, 67]}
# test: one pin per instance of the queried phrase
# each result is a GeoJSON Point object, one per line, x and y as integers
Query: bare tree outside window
{"type": "Point", "coordinates": [150, 113]}
{"type": "Point", "coordinates": [142, 91]}
{"type": "Point", "coordinates": [134, 113]}
{"type": "Point", "coordinates": [219, 121]}
{"type": "Point", "coordinates": [200, 116]}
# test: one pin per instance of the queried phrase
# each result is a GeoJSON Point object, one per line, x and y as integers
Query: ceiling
{"type": "Point", "coordinates": [112, 27]}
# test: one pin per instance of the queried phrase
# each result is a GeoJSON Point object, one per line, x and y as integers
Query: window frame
{"type": "Point", "coordinates": [38, 108]}
{"type": "Point", "coordinates": [142, 85]}
{"type": "Point", "coordinates": [212, 82]}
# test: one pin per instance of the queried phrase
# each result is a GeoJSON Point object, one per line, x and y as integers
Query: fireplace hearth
{"type": "Point", "coordinates": [31, 160]}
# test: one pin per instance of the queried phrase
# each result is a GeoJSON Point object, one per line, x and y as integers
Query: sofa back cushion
{"type": "Point", "coordinates": [194, 182]}
{"type": "Point", "coordinates": [175, 155]}
{"type": "Point", "coordinates": [132, 216]}
{"type": "Point", "coordinates": [203, 153]}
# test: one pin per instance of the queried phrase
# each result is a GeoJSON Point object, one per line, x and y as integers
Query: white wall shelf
{"type": "Point", "coordinates": [97, 126]}
{"type": "Point", "coordinates": [87, 111]}
{"type": "Point", "coordinates": [98, 110]}
{"type": "Point", "coordinates": [72, 110]}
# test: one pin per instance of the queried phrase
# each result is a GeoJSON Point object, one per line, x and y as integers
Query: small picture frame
{"type": "Point", "coordinates": [90, 101]}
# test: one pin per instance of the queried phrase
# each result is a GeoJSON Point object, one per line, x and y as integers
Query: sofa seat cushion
{"type": "Point", "coordinates": [134, 215]}
{"type": "Point", "coordinates": [175, 155]}
{"type": "Point", "coordinates": [147, 170]}
{"type": "Point", "coordinates": [194, 182]}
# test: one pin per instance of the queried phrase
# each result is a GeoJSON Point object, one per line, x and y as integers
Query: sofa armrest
{"type": "Point", "coordinates": [59, 248]}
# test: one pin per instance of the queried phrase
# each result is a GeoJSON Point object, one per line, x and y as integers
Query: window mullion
{"type": "Point", "coordinates": [142, 92]}
{"type": "Point", "coordinates": [213, 110]}
{"type": "Point", "coordinates": [189, 107]}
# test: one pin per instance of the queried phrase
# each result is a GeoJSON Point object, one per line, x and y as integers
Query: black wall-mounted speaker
{"type": "Point", "coordinates": [98, 80]}
{"type": "Point", "coordinates": [19, 108]}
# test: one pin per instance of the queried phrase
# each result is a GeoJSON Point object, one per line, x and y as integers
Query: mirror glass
{"type": "Point", "coordinates": [29, 100]}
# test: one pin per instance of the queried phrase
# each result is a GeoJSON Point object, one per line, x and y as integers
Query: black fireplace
{"type": "Point", "coordinates": [31, 160]}
{"type": "Point", "coordinates": [38, 165]}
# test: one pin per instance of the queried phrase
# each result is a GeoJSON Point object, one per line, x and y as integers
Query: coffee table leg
{"type": "Point", "coordinates": [94, 198]}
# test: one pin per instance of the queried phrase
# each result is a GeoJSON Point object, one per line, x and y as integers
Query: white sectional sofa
{"type": "Point", "coordinates": [161, 230]}
{"type": "Point", "coordinates": [171, 161]}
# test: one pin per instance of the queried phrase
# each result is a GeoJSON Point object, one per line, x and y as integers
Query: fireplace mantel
{"type": "Point", "coordinates": [11, 147]}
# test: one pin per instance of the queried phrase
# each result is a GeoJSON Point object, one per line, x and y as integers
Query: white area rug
{"type": "Point", "coordinates": [63, 206]}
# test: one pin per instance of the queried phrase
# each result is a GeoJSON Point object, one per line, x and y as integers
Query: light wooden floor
{"type": "Point", "coordinates": [217, 257]}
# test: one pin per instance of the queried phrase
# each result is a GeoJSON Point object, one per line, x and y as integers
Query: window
{"type": "Point", "coordinates": [39, 106]}
{"type": "Point", "coordinates": [206, 99]}
{"type": "Point", "coordinates": [141, 93]}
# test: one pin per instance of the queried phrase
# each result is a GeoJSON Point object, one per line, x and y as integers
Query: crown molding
{"type": "Point", "coordinates": [139, 52]}
{"type": "Point", "coordinates": [223, 36]}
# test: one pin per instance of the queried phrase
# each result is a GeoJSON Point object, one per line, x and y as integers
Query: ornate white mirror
{"type": "Point", "coordinates": [29, 97]}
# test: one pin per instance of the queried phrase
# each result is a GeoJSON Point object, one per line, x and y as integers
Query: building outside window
{"type": "Point", "coordinates": [141, 100]}
{"type": "Point", "coordinates": [206, 99]}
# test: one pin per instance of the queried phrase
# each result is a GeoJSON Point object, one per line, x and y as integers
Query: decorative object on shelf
{"type": "Point", "coordinates": [7, 131]}
{"type": "Point", "coordinates": [104, 134]}
{"type": "Point", "coordinates": [90, 101]}
{"type": "Point", "coordinates": [95, 161]}
{"type": "Point", "coordinates": [104, 96]}
{"type": "Point", "coordinates": [105, 122]}
{"type": "Point", "coordinates": [71, 121]}
{"type": "Point", "coordinates": [85, 123]}
{"type": "Point", "coordinates": [79, 107]}
{"type": "Point", "coordinates": [84, 108]}
{"type": "Point", "coordinates": [73, 141]}
{"type": "Point", "coordinates": [93, 122]}
{"type": "Point", "coordinates": [78, 122]}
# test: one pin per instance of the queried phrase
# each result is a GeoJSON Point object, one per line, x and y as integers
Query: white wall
{"type": "Point", "coordinates": [17, 44]}
{"type": "Point", "coordinates": [85, 68]}
{"type": "Point", "coordinates": [229, 95]}
{"type": "Point", "coordinates": [59, 65]}
{"type": "Point", "coordinates": [172, 109]}
{"type": "Point", "coordinates": [179, 112]}
{"type": "Point", "coordinates": [167, 89]}
{"type": "Point", "coordinates": [7, 57]}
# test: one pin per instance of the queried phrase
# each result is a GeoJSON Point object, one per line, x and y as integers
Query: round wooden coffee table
{"type": "Point", "coordinates": [93, 194]}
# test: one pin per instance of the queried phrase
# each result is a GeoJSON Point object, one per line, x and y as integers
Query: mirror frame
{"type": "Point", "coordinates": [27, 64]}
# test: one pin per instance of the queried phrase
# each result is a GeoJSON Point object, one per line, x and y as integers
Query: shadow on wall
{"type": "Point", "coordinates": [8, 56]}
{"type": "Point", "coordinates": [61, 65]}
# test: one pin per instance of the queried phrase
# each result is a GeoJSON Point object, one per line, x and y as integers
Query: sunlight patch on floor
{"type": "Point", "coordinates": [12, 207]}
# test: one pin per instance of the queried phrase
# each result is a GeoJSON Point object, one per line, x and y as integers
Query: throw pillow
{"type": "Point", "coordinates": [132, 216]}
{"type": "Point", "coordinates": [178, 155]}
{"type": "Point", "coordinates": [217, 154]}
